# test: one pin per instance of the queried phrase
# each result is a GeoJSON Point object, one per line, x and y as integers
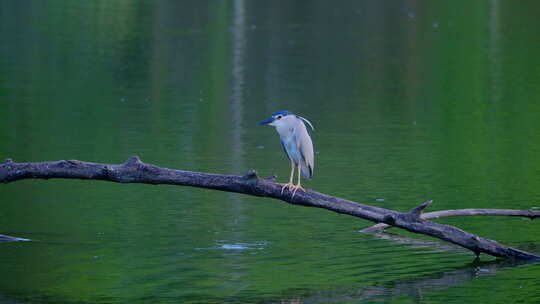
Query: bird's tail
{"type": "Point", "coordinates": [307, 171]}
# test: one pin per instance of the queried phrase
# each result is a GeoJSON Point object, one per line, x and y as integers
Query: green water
{"type": "Point", "coordinates": [411, 100]}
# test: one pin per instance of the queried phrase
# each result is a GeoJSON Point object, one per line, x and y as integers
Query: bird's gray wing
{"type": "Point", "coordinates": [305, 146]}
{"type": "Point", "coordinates": [284, 148]}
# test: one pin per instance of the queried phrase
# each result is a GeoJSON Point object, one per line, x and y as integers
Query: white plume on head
{"type": "Point", "coordinates": [309, 123]}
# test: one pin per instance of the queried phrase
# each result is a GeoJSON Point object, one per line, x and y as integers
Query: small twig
{"type": "Point", "coordinates": [417, 211]}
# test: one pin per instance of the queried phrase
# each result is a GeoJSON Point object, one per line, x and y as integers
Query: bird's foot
{"type": "Point", "coordinates": [292, 187]}
{"type": "Point", "coordinates": [287, 186]}
{"type": "Point", "coordinates": [296, 188]}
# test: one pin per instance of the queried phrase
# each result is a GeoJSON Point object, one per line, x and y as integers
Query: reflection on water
{"type": "Point", "coordinates": [412, 101]}
{"type": "Point", "coordinates": [415, 288]}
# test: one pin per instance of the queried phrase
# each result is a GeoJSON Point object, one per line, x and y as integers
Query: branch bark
{"type": "Point", "coordinates": [531, 214]}
{"type": "Point", "coordinates": [135, 171]}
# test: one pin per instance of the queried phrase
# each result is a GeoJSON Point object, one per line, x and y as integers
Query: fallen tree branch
{"type": "Point", "coordinates": [531, 214]}
{"type": "Point", "coordinates": [135, 171]}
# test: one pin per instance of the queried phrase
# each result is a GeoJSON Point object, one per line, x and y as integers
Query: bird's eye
{"type": "Point", "coordinates": [278, 117]}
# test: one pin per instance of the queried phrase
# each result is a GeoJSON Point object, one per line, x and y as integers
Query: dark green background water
{"type": "Point", "coordinates": [411, 100]}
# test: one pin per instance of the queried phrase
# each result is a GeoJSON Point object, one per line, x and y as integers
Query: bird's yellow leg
{"type": "Point", "coordinates": [290, 184]}
{"type": "Point", "coordinates": [298, 186]}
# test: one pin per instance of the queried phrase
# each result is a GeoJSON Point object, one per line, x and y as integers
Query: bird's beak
{"type": "Point", "coordinates": [266, 121]}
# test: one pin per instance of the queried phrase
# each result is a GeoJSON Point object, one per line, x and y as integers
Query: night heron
{"type": "Point", "coordinates": [296, 142]}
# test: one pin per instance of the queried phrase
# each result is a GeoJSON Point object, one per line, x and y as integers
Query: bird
{"type": "Point", "coordinates": [296, 143]}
